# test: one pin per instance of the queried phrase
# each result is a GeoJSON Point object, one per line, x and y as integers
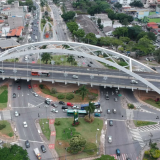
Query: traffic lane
{"type": "Point", "coordinates": [153, 135]}
{"type": "Point", "coordinates": [121, 139]}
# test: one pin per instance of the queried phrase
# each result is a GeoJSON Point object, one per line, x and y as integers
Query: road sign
{"type": "Point", "coordinates": [53, 133]}
{"type": "Point", "coordinates": [51, 146]}
{"type": "Point", "coordinates": [51, 121]}
{"type": "Point", "coordinates": [119, 95]}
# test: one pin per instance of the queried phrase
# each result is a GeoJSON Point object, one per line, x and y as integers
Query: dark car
{"type": "Point", "coordinates": [111, 123]}
{"type": "Point", "coordinates": [89, 65]}
{"type": "Point", "coordinates": [14, 95]}
{"type": "Point", "coordinates": [128, 159]}
{"type": "Point", "coordinates": [27, 144]}
{"type": "Point", "coordinates": [47, 102]}
{"type": "Point", "coordinates": [61, 102]}
{"type": "Point", "coordinates": [43, 148]}
{"type": "Point", "coordinates": [19, 87]}
{"type": "Point", "coordinates": [91, 62]}
{"type": "Point", "coordinates": [118, 152]}
{"type": "Point", "coordinates": [54, 105]}
{"type": "Point", "coordinates": [153, 68]}
{"type": "Point", "coordinates": [64, 107]}
{"type": "Point", "coordinates": [1, 71]}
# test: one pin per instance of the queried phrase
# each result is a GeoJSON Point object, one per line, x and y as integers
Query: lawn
{"type": "Point", "coordinates": [45, 127]}
{"type": "Point", "coordinates": [143, 123]}
{"type": "Point", "coordinates": [153, 103]}
{"type": "Point", "coordinates": [3, 97]}
{"type": "Point", "coordinates": [151, 13]}
{"type": "Point", "coordinates": [156, 20]}
{"type": "Point", "coordinates": [86, 130]}
{"type": "Point", "coordinates": [59, 60]}
{"type": "Point", "coordinates": [7, 130]}
{"type": "Point", "coordinates": [77, 96]}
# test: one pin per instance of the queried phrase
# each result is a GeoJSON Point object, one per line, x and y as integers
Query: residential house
{"type": "Point", "coordinates": [152, 25]}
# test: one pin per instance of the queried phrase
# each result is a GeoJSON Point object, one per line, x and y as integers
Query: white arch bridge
{"type": "Point", "coordinates": [80, 49]}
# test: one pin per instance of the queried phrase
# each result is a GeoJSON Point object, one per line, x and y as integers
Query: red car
{"type": "Point", "coordinates": [29, 86]}
{"type": "Point", "coordinates": [19, 88]}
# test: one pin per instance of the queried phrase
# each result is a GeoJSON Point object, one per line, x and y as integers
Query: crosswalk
{"type": "Point", "coordinates": [137, 104]}
{"type": "Point", "coordinates": [149, 128]}
{"type": "Point", "coordinates": [123, 156]}
{"type": "Point", "coordinates": [129, 113]}
{"type": "Point", "coordinates": [5, 115]}
{"type": "Point", "coordinates": [137, 137]}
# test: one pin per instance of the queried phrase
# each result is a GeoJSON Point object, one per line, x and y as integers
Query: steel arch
{"type": "Point", "coordinates": [44, 29]}
{"type": "Point", "coordinates": [85, 55]}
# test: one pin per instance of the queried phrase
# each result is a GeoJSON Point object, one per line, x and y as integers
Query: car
{"type": "Point", "coordinates": [43, 148]}
{"type": "Point", "coordinates": [75, 76]}
{"type": "Point", "coordinates": [1, 71]}
{"type": "Point", "coordinates": [82, 57]}
{"type": "Point", "coordinates": [14, 95]}
{"type": "Point", "coordinates": [48, 99]}
{"type": "Point", "coordinates": [54, 110]}
{"type": "Point", "coordinates": [97, 114]}
{"type": "Point", "coordinates": [35, 94]}
{"type": "Point", "coordinates": [128, 159]}
{"type": "Point", "coordinates": [54, 105]}
{"type": "Point", "coordinates": [64, 107]}
{"type": "Point", "coordinates": [114, 111]}
{"type": "Point", "coordinates": [1, 141]}
{"type": "Point", "coordinates": [29, 86]}
{"type": "Point", "coordinates": [108, 111]}
{"type": "Point", "coordinates": [147, 59]}
{"type": "Point", "coordinates": [89, 65]}
{"type": "Point", "coordinates": [47, 102]}
{"type": "Point", "coordinates": [79, 56]}
{"type": "Point", "coordinates": [91, 62]}
{"type": "Point", "coordinates": [109, 139]}
{"type": "Point", "coordinates": [75, 107]}
{"type": "Point", "coordinates": [134, 82]}
{"type": "Point", "coordinates": [118, 152]}
{"type": "Point", "coordinates": [27, 144]}
{"type": "Point", "coordinates": [111, 123]}
{"type": "Point", "coordinates": [97, 111]}
{"type": "Point", "coordinates": [16, 114]}
{"type": "Point", "coordinates": [153, 68]}
{"type": "Point", "coordinates": [65, 110]}
{"type": "Point", "coordinates": [37, 22]}
{"type": "Point", "coordinates": [107, 97]}
{"type": "Point", "coordinates": [19, 87]}
{"type": "Point", "coordinates": [116, 91]}
{"type": "Point", "coordinates": [25, 124]}
{"type": "Point", "coordinates": [115, 99]}
{"type": "Point", "coordinates": [33, 59]}
{"type": "Point", "coordinates": [61, 102]}
{"type": "Point", "coordinates": [70, 104]}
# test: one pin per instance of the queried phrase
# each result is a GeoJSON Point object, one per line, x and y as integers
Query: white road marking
{"type": "Point", "coordinates": [22, 95]}
{"type": "Point", "coordinates": [18, 95]}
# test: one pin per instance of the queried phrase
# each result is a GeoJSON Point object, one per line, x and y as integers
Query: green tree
{"type": "Point", "coordinates": [105, 157]}
{"type": "Point", "coordinates": [79, 33]}
{"type": "Point", "coordinates": [134, 31]}
{"type": "Point", "coordinates": [43, 21]}
{"type": "Point", "coordinates": [155, 153]}
{"type": "Point", "coordinates": [76, 143]}
{"type": "Point", "coordinates": [42, 3]}
{"type": "Point", "coordinates": [46, 57]}
{"type": "Point", "coordinates": [125, 22]}
{"type": "Point", "coordinates": [121, 49]}
{"type": "Point", "coordinates": [137, 4]}
{"type": "Point", "coordinates": [124, 39]}
{"type": "Point", "coordinates": [72, 26]}
{"type": "Point", "coordinates": [116, 42]}
{"type": "Point", "coordinates": [118, 5]}
{"type": "Point", "coordinates": [46, 13]}
{"type": "Point", "coordinates": [151, 36]}
{"type": "Point", "coordinates": [70, 59]}
{"type": "Point", "coordinates": [68, 15]}
{"type": "Point", "coordinates": [90, 109]}
{"type": "Point", "coordinates": [98, 21]}
{"type": "Point", "coordinates": [140, 35]}
{"type": "Point", "coordinates": [13, 153]}
{"type": "Point", "coordinates": [121, 31]}
{"type": "Point", "coordinates": [91, 38]}
{"type": "Point", "coordinates": [83, 91]}
{"type": "Point", "coordinates": [157, 55]}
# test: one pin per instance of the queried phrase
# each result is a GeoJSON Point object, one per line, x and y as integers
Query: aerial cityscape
{"type": "Point", "coordinates": [79, 79]}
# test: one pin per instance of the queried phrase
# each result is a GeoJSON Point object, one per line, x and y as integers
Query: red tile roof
{"type": "Point", "coordinates": [152, 25]}
{"type": "Point", "coordinates": [5, 9]}
{"type": "Point", "coordinates": [1, 21]}
{"type": "Point", "coordinates": [15, 32]}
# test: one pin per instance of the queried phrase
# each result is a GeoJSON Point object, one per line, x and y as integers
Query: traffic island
{"type": "Point", "coordinates": [3, 97]}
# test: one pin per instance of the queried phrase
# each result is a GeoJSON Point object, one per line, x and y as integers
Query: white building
{"type": "Point", "coordinates": [125, 2]}
{"type": "Point", "coordinates": [5, 31]}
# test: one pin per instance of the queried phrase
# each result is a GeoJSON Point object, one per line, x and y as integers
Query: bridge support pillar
{"type": "Point", "coordinates": [104, 86]}
{"type": "Point", "coordinates": [15, 78]}
{"type": "Point", "coordinates": [52, 81]}
{"type": "Point", "coordinates": [3, 78]}
{"type": "Point", "coordinates": [27, 79]}
{"type": "Point", "coordinates": [118, 87]}
{"type": "Point", "coordinates": [65, 82]}
{"type": "Point", "coordinates": [78, 83]}
{"type": "Point", "coordinates": [40, 81]}
{"type": "Point", "coordinates": [91, 85]}
{"type": "Point", "coordinates": [132, 89]}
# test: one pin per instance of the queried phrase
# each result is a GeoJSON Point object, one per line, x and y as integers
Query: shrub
{"type": "Point", "coordinates": [2, 126]}
{"type": "Point", "coordinates": [69, 96]}
{"type": "Point", "coordinates": [54, 90]}
{"type": "Point", "coordinates": [41, 86]}
{"type": "Point", "coordinates": [130, 106]}
{"type": "Point", "coordinates": [87, 119]}
{"type": "Point", "coordinates": [61, 96]}
{"type": "Point", "coordinates": [90, 148]}
{"type": "Point", "coordinates": [57, 123]}
{"type": "Point", "coordinates": [91, 97]}
{"type": "Point", "coordinates": [10, 134]}
{"type": "Point", "coordinates": [146, 152]}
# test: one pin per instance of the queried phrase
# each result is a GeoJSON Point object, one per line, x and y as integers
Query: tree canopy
{"type": "Point", "coordinates": [137, 4]}
{"type": "Point", "coordinates": [79, 33]}
{"type": "Point", "coordinates": [68, 15]}
{"type": "Point", "coordinates": [13, 153]}
{"type": "Point", "coordinates": [83, 91]}
{"type": "Point", "coordinates": [72, 26]}
{"type": "Point", "coordinates": [46, 57]}
{"type": "Point", "coordinates": [118, 5]}
{"type": "Point", "coordinates": [91, 38]}
{"type": "Point", "coordinates": [90, 109]}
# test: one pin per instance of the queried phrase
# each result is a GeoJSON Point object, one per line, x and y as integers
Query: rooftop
{"type": "Point", "coordinates": [15, 32]}
{"type": "Point", "coordinates": [8, 43]}
{"type": "Point", "coordinates": [102, 16]}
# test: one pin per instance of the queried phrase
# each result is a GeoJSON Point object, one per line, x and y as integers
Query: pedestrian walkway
{"type": "Point", "coordinates": [124, 156]}
{"type": "Point", "coordinates": [6, 115]}
{"type": "Point", "coordinates": [137, 105]}
{"type": "Point", "coordinates": [129, 114]}
{"type": "Point", "coordinates": [149, 128]}
{"type": "Point", "coordinates": [137, 137]}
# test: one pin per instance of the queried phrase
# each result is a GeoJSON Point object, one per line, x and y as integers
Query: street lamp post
{"type": "Point", "coordinates": [52, 62]}
{"type": "Point", "coordinates": [65, 75]}
{"type": "Point", "coordinates": [105, 78]}
{"type": "Point", "coordinates": [91, 76]}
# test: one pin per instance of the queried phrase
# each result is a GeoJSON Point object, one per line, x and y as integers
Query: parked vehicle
{"type": "Point", "coordinates": [37, 153]}
{"type": "Point", "coordinates": [108, 111]}
{"type": "Point", "coordinates": [75, 107]}
{"type": "Point", "coordinates": [43, 148]}
{"type": "Point", "coordinates": [111, 123]}
{"type": "Point", "coordinates": [61, 102]}
{"type": "Point", "coordinates": [16, 114]}
{"type": "Point", "coordinates": [69, 104]}
{"type": "Point", "coordinates": [64, 107]}
{"type": "Point", "coordinates": [54, 110]}
{"type": "Point", "coordinates": [97, 114]}
{"type": "Point", "coordinates": [14, 95]}
{"type": "Point", "coordinates": [114, 111]}
{"type": "Point", "coordinates": [118, 152]}
{"type": "Point", "coordinates": [109, 139]}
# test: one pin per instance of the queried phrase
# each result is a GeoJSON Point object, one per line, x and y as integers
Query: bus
{"type": "Point", "coordinates": [96, 104]}
{"type": "Point", "coordinates": [36, 72]}
{"type": "Point", "coordinates": [70, 112]}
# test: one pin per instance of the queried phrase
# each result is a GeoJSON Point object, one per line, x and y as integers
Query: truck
{"type": "Point", "coordinates": [37, 153]}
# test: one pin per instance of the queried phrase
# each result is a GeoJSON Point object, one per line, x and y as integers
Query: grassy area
{"type": "Point", "coordinates": [156, 20]}
{"type": "Point", "coordinates": [7, 130]}
{"type": "Point", "coordinates": [151, 13]}
{"type": "Point", "coordinates": [3, 97]}
{"type": "Point", "coordinates": [77, 97]}
{"type": "Point", "coordinates": [42, 26]}
{"type": "Point", "coordinates": [11, 60]}
{"type": "Point", "coordinates": [143, 123]}
{"type": "Point", "coordinates": [45, 127]}
{"type": "Point", "coordinates": [86, 130]}
{"type": "Point", "coordinates": [58, 61]}
{"type": "Point", "coordinates": [48, 9]}
{"type": "Point", "coordinates": [153, 103]}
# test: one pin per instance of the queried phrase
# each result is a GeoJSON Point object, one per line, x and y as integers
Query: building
{"type": "Point", "coordinates": [152, 25]}
{"type": "Point", "coordinates": [5, 31]}
{"type": "Point", "coordinates": [8, 43]}
{"type": "Point", "coordinates": [125, 2]}
{"type": "Point", "coordinates": [16, 32]}
{"type": "Point", "coordinates": [15, 21]}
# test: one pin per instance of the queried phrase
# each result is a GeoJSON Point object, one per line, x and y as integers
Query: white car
{"type": "Point", "coordinates": [48, 99]}
{"type": "Point", "coordinates": [16, 113]}
{"type": "Point", "coordinates": [109, 139]}
{"type": "Point", "coordinates": [54, 110]}
{"type": "Point", "coordinates": [75, 76]}
{"type": "Point", "coordinates": [65, 110]}
{"type": "Point", "coordinates": [75, 107]}
{"type": "Point", "coordinates": [97, 111]}
{"type": "Point", "coordinates": [35, 94]}
{"type": "Point", "coordinates": [134, 82]}
{"type": "Point", "coordinates": [25, 124]}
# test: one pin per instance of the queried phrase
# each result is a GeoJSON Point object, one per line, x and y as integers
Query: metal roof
{"type": "Point", "coordinates": [8, 43]}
